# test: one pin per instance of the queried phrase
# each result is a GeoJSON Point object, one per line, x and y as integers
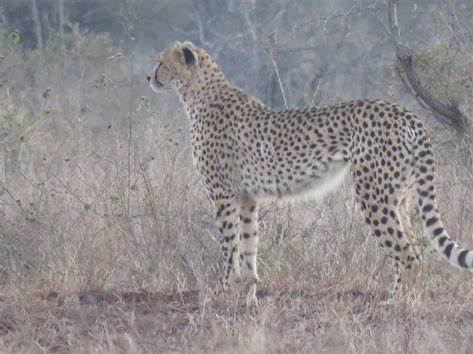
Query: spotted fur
{"type": "Point", "coordinates": [247, 152]}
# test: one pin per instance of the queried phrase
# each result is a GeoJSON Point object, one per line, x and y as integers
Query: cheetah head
{"type": "Point", "coordinates": [174, 66]}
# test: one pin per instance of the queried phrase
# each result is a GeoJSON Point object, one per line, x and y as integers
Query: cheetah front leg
{"type": "Point", "coordinates": [227, 221]}
{"type": "Point", "coordinates": [249, 245]}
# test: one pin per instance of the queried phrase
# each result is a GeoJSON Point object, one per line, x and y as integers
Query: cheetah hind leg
{"type": "Point", "coordinates": [406, 256]}
{"type": "Point", "coordinates": [416, 265]}
{"type": "Point", "coordinates": [386, 224]}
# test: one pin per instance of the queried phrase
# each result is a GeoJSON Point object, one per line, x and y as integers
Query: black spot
{"type": "Point", "coordinates": [462, 259]}
{"type": "Point", "coordinates": [427, 208]}
{"type": "Point", "coordinates": [438, 231]}
{"type": "Point", "coordinates": [442, 240]}
{"type": "Point", "coordinates": [448, 249]}
{"type": "Point", "coordinates": [424, 193]}
{"type": "Point", "coordinates": [431, 221]}
{"type": "Point", "coordinates": [220, 210]}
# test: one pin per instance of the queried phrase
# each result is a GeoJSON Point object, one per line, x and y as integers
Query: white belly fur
{"type": "Point", "coordinates": [326, 183]}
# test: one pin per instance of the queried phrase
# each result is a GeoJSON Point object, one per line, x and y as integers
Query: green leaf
{"type": "Point", "coordinates": [151, 269]}
{"type": "Point", "coordinates": [15, 38]}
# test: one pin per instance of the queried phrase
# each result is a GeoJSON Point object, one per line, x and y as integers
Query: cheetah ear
{"type": "Point", "coordinates": [189, 54]}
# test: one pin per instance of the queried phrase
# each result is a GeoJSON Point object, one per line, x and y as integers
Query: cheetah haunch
{"type": "Point", "coordinates": [247, 152]}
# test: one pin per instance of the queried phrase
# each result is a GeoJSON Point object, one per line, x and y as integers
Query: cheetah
{"type": "Point", "coordinates": [247, 153]}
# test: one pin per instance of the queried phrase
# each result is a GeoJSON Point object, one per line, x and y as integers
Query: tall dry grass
{"type": "Point", "coordinates": [108, 244]}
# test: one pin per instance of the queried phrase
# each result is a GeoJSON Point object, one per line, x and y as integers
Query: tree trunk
{"type": "Point", "coordinates": [37, 23]}
{"type": "Point", "coordinates": [3, 18]}
{"type": "Point", "coordinates": [62, 18]}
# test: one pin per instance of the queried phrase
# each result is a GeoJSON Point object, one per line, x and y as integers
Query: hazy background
{"type": "Point", "coordinates": [99, 199]}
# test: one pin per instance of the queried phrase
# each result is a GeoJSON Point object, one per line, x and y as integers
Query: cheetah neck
{"type": "Point", "coordinates": [203, 85]}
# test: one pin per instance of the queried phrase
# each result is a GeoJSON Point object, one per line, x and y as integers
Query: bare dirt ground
{"type": "Point", "coordinates": [291, 317]}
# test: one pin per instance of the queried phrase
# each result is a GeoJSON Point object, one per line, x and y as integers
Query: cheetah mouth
{"type": "Point", "coordinates": [156, 81]}
{"type": "Point", "coordinates": [155, 84]}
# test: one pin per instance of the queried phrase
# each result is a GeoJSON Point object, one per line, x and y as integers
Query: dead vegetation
{"type": "Point", "coordinates": [293, 316]}
{"type": "Point", "coordinates": [108, 243]}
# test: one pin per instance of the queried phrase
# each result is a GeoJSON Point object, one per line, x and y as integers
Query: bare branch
{"type": "Point", "coordinates": [446, 112]}
{"type": "Point", "coordinates": [268, 43]}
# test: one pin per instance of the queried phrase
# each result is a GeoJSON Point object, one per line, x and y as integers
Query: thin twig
{"type": "Point", "coordinates": [281, 87]}
{"type": "Point", "coordinates": [315, 94]}
{"type": "Point", "coordinates": [269, 48]}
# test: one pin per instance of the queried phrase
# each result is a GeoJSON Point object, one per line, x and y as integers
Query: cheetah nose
{"type": "Point", "coordinates": [148, 78]}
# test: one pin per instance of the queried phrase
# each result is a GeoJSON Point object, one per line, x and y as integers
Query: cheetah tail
{"type": "Point", "coordinates": [431, 219]}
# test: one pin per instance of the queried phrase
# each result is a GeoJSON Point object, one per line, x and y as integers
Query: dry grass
{"type": "Point", "coordinates": [108, 244]}
{"type": "Point", "coordinates": [80, 275]}
{"type": "Point", "coordinates": [292, 317]}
